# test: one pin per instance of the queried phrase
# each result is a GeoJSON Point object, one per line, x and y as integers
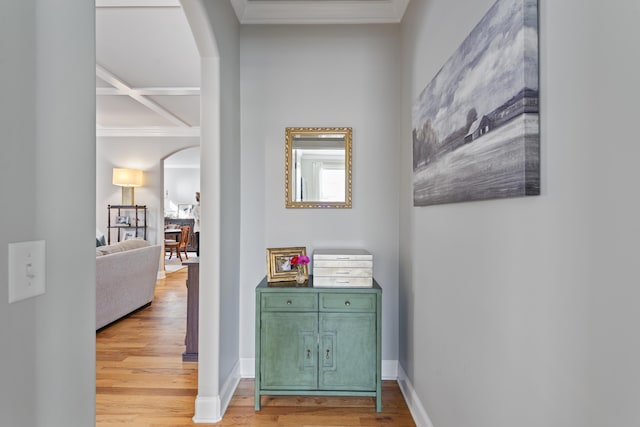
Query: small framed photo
{"type": "Point", "coordinates": [122, 220]}
{"type": "Point", "coordinates": [129, 235]}
{"type": "Point", "coordinates": [185, 211]}
{"type": "Point", "coordinates": [279, 268]}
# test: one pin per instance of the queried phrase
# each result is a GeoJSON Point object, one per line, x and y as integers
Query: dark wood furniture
{"type": "Point", "coordinates": [126, 221]}
{"type": "Point", "coordinates": [180, 244]}
{"type": "Point", "coordinates": [193, 284]}
{"type": "Point", "coordinates": [179, 222]}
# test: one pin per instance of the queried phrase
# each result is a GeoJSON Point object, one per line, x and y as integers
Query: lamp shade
{"type": "Point", "coordinates": [127, 177]}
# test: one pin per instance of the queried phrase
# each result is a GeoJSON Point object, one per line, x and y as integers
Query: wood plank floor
{"type": "Point", "coordinates": [141, 380]}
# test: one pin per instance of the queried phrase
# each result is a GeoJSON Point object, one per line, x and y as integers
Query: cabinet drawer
{"type": "Point", "coordinates": [289, 302]}
{"type": "Point", "coordinates": [360, 303]}
{"type": "Point", "coordinates": [341, 272]}
{"type": "Point", "coordinates": [342, 282]}
{"type": "Point", "coordinates": [336, 263]}
{"type": "Point", "coordinates": [353, 256]}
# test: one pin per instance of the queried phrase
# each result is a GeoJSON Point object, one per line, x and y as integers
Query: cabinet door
{"type": "Point", "coordinates": [289, 351]}
{"type": "Point", "coordinates": [347, 351]}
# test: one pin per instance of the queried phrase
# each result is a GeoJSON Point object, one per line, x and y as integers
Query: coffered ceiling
{"type": "Point", "coordinates": [147, 70]}
{"type": "Point", "coordinates": [148, 66]}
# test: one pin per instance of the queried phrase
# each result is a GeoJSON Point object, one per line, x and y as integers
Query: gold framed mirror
{"type": "Point", "coordinates": [318, 167]}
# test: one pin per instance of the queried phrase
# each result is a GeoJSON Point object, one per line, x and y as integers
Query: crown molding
{"type": "Point", "coordinates": [320, 12]}
{"type": "Point", "coordinates": [142, 132]}
{"type": "Point", "coordinates": [137, 3]}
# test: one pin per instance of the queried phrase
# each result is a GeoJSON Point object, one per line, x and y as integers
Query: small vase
{"type": "Point", "coordinates": [300, 277]}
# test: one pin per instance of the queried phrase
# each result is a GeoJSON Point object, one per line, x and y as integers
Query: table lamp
{"type": "Point", "coordinates": [128, 179]}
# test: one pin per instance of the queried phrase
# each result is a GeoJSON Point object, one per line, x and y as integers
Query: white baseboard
{"type": "Point", "coordinates": [416, 408]}
{"type": "Point", "coordinates": [229, 387]}
{"type": "Point", "coordinates": [389, 368]}
{"type": "Point", "coordinates": [248, 367]}
{"type": "Point", "coordinates": [207, 410]}
{"type": "Point", "coordinates": [211, 409]}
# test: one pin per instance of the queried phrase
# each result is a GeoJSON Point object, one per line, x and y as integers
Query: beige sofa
{"type": "Point", "coordinates": [126, 274]}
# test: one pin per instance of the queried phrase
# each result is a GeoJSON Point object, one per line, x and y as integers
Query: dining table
{"type": "Point", "coordinates": [172, 233]}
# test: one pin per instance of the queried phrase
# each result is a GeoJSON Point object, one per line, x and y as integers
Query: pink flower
{"type": "Point", "coordinates": [303, 260]}
{"type": "Point", "coordinates": [299, 260]}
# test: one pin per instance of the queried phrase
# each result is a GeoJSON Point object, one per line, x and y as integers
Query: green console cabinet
{"type": "Point", "coordinates": [318, 341]}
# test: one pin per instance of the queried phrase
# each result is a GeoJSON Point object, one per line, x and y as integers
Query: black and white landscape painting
{"type": "Point", "coordinates": [476, 124]}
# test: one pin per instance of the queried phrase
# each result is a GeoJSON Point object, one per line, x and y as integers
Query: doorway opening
{"type": "Point", "coordinates": [180, 202]}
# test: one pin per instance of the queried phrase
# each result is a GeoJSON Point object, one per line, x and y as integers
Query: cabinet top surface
{"type": "Point", "coordinates": [308, 287]}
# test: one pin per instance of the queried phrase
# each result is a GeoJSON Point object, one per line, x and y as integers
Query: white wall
{"type": "Point", "coordinates": [227, 33]}
{"type": "Point", "coordinates": [217, 36]}
{"type": "Point", "coordinates": [181, 185]}
{"type": "Point", "coordinates": [47, 179]}
{"type": "Point", "coordinates": [311, 76]}
{"type": "Point", "coordinates": [145, 154]}
{"type": "Point", "coordinates": [610, 91]}
{"type": "Point", "coordinates": [524, 311]}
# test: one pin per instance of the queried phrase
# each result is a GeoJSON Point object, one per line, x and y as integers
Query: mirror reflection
{"type": "Point", "coordinates": [318, 168]}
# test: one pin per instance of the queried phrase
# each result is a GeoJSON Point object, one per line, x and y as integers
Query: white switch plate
{"type": "Point", "coordinates": [26, 270]}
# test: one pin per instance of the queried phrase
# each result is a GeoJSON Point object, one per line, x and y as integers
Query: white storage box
{"type": "Point", "coordinates": [342, 268]}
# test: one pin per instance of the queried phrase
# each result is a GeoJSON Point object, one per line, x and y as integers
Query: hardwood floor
{"type": "Point", "coordinates": [141, 380]}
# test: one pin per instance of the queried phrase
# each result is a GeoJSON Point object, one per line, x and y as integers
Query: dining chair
{"type": "Point", "coordinates": [180, 244]}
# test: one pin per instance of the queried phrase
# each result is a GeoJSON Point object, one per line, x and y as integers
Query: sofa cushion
{"type": "Point", "coordinates": [125, 245]}
{"type": "Point", "coordinates": [100, 239]}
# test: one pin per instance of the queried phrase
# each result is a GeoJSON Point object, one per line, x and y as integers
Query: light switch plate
{"type": "Point", "coordinates": [26, 270]}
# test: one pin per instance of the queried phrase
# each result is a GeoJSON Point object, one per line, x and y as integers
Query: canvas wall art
{"type": "Point", "coordinates": [476, 124]}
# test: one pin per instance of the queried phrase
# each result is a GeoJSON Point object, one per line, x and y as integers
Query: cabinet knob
{"type": "Point", "coordinates": [308, 354]}
{"type": "Point", "coordinates": [327, 356]}
{"type": "Point", "coordinates": [288, 302]}
{"type": "Point", "coordinates": [347, 303]}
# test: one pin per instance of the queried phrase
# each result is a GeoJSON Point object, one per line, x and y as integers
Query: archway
{"type": "Point", "coordinates": [180, 182]}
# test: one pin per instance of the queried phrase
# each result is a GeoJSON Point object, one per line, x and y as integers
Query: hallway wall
{"type": "Point", "coordinates": [47, 184]}
{"type": "Point", "coordinates": [523, 311]}
{"type": "Point", "coordinates": [320, 76]}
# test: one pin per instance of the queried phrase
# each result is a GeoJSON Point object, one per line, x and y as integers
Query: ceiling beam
{"type": "Point", "coordinates": [151, 91]}
{"type": "Point", "coordinates": [119, 84]}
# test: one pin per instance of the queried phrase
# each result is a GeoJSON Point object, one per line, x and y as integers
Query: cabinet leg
{"type": "Point", "coordinates": [379, 402]}
{"type": "Point", "coordinates": [257, 402]}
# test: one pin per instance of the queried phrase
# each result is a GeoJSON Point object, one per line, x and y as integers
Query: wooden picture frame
{"type": "Point", "coordinates": [278, 267]}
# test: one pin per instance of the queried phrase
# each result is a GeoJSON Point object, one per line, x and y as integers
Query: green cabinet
{"type": "Point", "coordinates": [289, 351]}
{"type": "Point", "coordinates": [347, 356]}
{"type": "Point", "coordinates": [318, 341]}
